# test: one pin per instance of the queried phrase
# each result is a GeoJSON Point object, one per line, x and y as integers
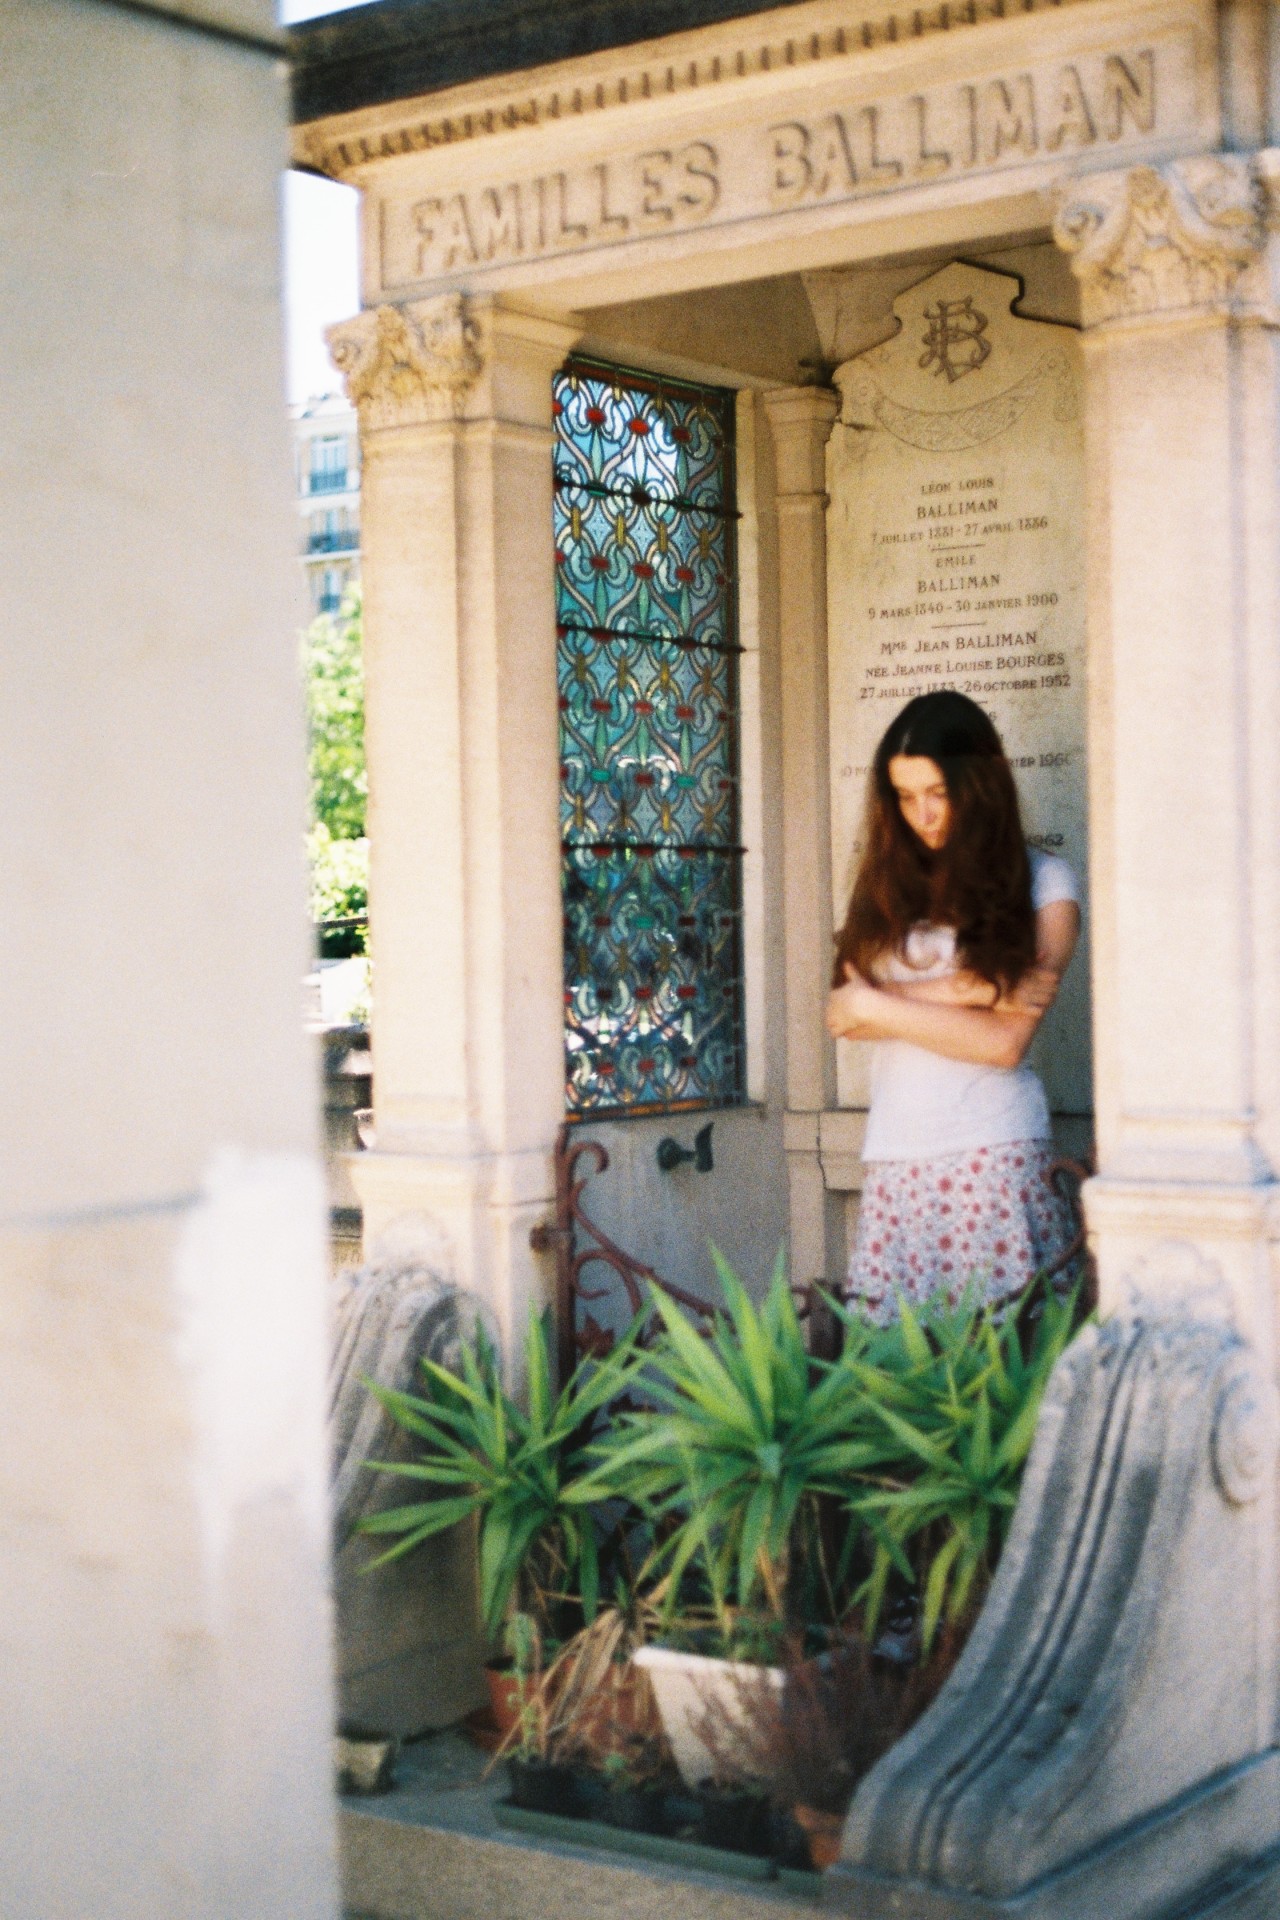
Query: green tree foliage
{"type": "Point", "coordinates": [339, 875]}
{"type": "Point", "coordinates": [335, 711]}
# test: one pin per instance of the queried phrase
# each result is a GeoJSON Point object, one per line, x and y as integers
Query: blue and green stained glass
{"type": "Point", "coordinates": [645, 608]}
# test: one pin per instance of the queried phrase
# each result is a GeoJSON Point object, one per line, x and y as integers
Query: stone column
{"type": "Point", "coordinates": [801, 419]}
{"type": "Point", "coordinates": [454, 398]}
{"type": "Point", "coordinates": [1176, 269]}
{"type": "Point", "coordinates": [165, 1692]}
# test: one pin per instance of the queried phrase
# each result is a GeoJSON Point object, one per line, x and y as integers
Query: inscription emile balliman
{"type": "Point", "coordinates": [1058, 109]}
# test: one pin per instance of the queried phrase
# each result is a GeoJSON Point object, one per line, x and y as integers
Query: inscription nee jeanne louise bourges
{"type": "Point", "coordinates": [1059, 108]}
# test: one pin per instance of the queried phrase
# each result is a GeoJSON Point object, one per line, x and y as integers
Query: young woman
{"type": "Point", "coordinates": [956, 939]}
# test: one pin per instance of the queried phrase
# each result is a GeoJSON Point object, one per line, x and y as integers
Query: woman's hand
{"type": "Point", "coordinates": [852, 1008]}
{"type": "Point", "coordinates": [1035, 992]}
{"type": "Point", "coordinates": [983, 1036]}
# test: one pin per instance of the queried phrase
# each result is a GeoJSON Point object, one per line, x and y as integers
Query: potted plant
{"type": "Point", "coordinates": [744, 1434]}
{"type": "Point", "coordinates": [539, 1782]}
{"type": "Point", "coordinates": [588, 1740]}
{"type": "Point", "coordinates": [479, 1454]}
{"type": "Point", "coordinates": [773, 1481]}
{"type": "Point", "coordinates": [949, 1403]}
{"type": "Point", "coordinates": [805, 1745]}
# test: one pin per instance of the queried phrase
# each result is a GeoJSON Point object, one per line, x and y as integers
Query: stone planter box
{"type": "Point", "coordinates": [440, 1846]}
{"type": "Point", "coordinates": [689, 1685]}
{"type": "Point", "coordinates": [645, 1846]}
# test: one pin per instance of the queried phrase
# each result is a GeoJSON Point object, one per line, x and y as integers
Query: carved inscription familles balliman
{"type": "Point", "coordinates": [1055, 110]}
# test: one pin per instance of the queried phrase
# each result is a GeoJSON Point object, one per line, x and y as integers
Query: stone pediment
{"type": "Point", "coordinates": [958, 352]}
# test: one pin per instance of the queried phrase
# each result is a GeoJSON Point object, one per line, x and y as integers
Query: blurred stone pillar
{"type": "Point", "coordinates": [1177, 269]}
{"type": "Point", "coordinates": [454, 399]}
{"type": "Point", "coordinates": [801, 419]}
{"type": "Point", "coordinates": [164, 1622]}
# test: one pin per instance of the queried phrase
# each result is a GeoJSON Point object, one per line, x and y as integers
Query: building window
{"type": "Point", "coordinates": [648, 678]}
{"type": "Point", "coordinates": [329, 599]}
{"type": "Point", "coordinates": [329, 464]}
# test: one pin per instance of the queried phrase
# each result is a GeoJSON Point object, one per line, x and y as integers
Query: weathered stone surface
{"type": "Point", "coordinates": [364, 1766]}
{"type": "Point", "coordinates": [163, 1609]}
{"type": "Point", "coordinates": [1108, 1738]}
{"type": "Point", "coordinates": [409, 1646]}
{"type": "Point", "coordinates": [432, 1849]}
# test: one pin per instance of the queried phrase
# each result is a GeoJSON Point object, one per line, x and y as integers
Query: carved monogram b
{"type": "Point", "coordinates": [953, 343]}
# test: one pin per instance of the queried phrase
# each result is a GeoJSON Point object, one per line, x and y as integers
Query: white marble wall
{"type": "Point", "coordinates": [164, 1686]}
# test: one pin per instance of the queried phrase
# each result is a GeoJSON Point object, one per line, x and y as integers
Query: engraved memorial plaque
{"type": "Point", "coordinates": [956, 559]}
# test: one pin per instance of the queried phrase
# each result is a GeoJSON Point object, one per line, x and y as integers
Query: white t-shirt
{"type": "Point", "coordinates": [924, 1105]}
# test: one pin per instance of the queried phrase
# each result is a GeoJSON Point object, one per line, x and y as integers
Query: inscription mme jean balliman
{"type": "Point", "coordinates": [843, 154]}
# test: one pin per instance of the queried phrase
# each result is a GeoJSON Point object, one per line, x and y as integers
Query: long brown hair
{"type": "Point", "coordinates": [979, 882]}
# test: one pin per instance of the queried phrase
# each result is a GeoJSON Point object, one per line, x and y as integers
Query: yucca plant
{"type": "Point", "coordinates": [744, 1433]}
{"type": "Point", "coordinates": [949, 1409]}
{"type": "Point", "coordinates": [482, 1454]}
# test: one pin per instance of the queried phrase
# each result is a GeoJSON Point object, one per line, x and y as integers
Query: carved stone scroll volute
{"type": "Point", "coordinates": [1106, 1742]}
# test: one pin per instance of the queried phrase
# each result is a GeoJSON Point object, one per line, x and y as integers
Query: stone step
{"type": "Point", "coordinates": [432, 1849]}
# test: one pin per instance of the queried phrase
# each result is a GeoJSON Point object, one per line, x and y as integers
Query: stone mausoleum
{"type": "Point", "coordinates": [726, 375]}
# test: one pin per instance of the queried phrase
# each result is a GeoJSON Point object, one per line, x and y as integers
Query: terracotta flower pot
{"type": "Point", "coordinates": [509, 1693]}
{"type": "Point", "coordinates": [824, 1832]}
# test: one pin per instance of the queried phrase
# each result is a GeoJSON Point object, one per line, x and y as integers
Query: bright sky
{"type": "Point", "coordinates": [320, 271]}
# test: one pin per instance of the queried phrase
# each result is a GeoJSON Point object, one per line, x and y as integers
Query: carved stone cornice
{"type": "Point", "coordinates": [1188, 236]}
{"type": "Point", "coordinates": [403, 365]}
{"type": "Point", "coordinates": [776, 42]}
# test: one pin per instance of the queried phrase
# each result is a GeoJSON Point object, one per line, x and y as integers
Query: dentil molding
{"type": "Point", "coordinates": [699, 61]}
{"type": "Point", "coordinates": [1190, 235]}
{"type": "Point", "coordinates": [406, 364]}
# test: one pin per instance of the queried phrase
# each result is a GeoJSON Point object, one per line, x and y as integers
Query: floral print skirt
{"type": "Point", "coordinates": [990, 1218]}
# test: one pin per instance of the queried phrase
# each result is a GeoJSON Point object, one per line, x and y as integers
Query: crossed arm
{"type": "Point", "coordinates": [960, 1015]}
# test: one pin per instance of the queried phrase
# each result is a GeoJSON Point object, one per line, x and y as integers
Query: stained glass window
{"type": "Point", "coordinates": [648, 676]}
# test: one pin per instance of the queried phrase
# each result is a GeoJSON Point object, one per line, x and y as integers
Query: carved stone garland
{"type": "Point", "coordinates": [1154, 240]}
{"type": "Point", "coordinates": [406, 364]}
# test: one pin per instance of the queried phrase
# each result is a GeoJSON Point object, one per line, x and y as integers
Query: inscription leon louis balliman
{"type": "Point", "coordinates": [843, 153]}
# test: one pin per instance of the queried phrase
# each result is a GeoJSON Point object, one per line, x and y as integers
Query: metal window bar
{"type": "Point", "coordinates": [688, 642]}
{"type": "Point", "coordinates": [641, 497]}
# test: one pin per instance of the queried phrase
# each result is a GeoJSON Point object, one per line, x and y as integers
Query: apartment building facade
{"type": "Point", "coordinates": [327, 490]}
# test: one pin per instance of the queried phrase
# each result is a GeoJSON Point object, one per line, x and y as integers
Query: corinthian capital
{"type": "Point", "coordinates": [1185, 236]}
{"type": "Point", "coordinates": [406, 364]}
